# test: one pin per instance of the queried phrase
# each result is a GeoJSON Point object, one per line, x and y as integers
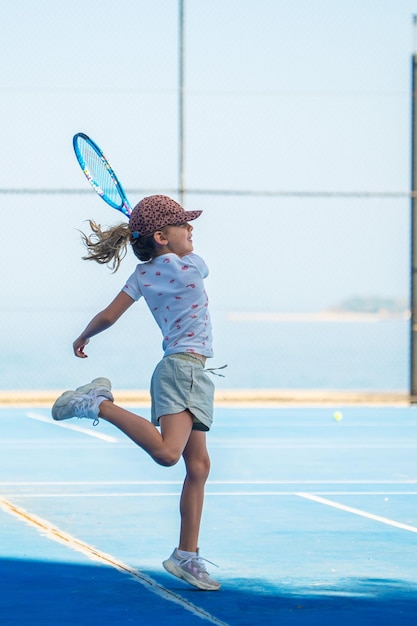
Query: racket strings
{"type": "Point", "coordinates": [100, 175]}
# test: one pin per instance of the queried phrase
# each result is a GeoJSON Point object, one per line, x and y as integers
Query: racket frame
{"type": "Point", "coordinates": [124, 204]}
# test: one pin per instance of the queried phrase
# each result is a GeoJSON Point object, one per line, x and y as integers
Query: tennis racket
{"type": "Point", "coordinates": [100, 174]}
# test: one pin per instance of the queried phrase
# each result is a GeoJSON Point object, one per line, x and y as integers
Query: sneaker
{"type": "Point", "coordinates": [82, 402]}
{"type": "Point", "coordinates": [102, 384]}
{"type": "Point", "coordinates": [192, 570]}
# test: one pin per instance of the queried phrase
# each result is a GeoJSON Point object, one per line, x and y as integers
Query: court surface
{"type": "Point", "coordinates": [310, 520]}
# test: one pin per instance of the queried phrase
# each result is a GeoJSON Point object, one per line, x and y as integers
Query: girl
{"type": "Point", "coordinates": [170, 278]}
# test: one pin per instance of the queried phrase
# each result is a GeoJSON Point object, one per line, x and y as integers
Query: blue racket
{"type": "Point", "coordinates": [100, 174]}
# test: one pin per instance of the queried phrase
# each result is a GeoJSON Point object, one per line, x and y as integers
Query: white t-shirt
{"type": "Point", "coordinates": [173, 288]}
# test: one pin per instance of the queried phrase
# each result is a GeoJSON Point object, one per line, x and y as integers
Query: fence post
{"type": "Point", "coordinates": [413, 272]}
{"type": "Point", "coordinates": [181, 60]}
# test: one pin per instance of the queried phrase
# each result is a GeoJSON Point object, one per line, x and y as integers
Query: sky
{"type": "Point", "coordinates": [304, 97]}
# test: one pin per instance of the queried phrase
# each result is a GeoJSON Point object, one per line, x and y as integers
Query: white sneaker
{"type": "Point", "coordinates": [101, 384]}
{"type": "Point", "coordinates": [82, 402]}
{"type": "Point", "coordinates": [192, 570]}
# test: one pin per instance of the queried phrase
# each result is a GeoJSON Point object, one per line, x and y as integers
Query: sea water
{"type": "Point", "coordinates": [294, 353]}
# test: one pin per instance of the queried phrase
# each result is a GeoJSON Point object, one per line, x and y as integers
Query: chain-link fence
{"type": "Point", "coordinates": [295, 144]}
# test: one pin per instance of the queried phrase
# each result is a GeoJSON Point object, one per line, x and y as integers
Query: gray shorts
{"type": "Point", "coordinates": [179, 382]}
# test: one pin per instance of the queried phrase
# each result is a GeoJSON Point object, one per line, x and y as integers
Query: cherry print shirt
{"type": "Point", "coordinates": [173, 288]}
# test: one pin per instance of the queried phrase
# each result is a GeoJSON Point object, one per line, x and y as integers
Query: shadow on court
{"type": "Point", "coordinates": [44, 593]}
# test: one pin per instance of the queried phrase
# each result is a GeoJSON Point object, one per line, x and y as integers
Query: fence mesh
{"type": "Point", "coordinates": [296, 146]}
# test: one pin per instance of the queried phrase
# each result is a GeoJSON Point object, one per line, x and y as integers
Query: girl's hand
{"type": "Point", "coordinates": [78, 347]}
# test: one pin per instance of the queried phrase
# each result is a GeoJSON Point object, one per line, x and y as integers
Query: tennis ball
{"type": "Point", "coordinates": [337, 416]}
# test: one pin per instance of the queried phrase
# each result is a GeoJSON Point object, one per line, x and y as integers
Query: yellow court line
{"type": "Point", "coordinates": [231, 398]}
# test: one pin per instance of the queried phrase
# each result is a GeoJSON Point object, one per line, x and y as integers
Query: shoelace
{"type": "Point", "coordinates": [82, 407]}
{"type": "Point", "coordinates": [199, 562]}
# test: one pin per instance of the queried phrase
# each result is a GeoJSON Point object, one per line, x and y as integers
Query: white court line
{"type": "Point", "coordinates": [79, 429]}
{"type": "Point", "coordinates": [272, 444]}
{"type": "Point", "coordinates": [208, 494]}
{"type": "Point", "coordinates": [121, 483]}
{"type": "Point", "coordinates": [55, 534]}
{"type": "Point", "coordinates": [350, 509]}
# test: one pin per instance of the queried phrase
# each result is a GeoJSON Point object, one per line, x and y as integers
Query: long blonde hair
{"type": "Point", "coordinates": [109, 246]}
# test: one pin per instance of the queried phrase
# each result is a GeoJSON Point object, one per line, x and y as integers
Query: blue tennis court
{"type": "Point", "coordinates": [310, 520]}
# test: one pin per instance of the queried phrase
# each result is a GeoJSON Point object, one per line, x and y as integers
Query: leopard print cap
{"type": "Point", "coordinates": [155, 212]}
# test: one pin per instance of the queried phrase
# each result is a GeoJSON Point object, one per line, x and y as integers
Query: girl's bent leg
{"type": "Point", "coordinates": [165, 447]}
{"type": "Point", "coordinates": [197, 462]}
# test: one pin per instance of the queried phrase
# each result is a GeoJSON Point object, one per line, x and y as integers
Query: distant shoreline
{"type": "Point", "coordinates": [321, 316]}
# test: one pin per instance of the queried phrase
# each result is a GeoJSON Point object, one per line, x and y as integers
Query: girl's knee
{"type": "Point", "coordinates": [167, 458]}
{"type": "Point", "coordinates": [198, 469]}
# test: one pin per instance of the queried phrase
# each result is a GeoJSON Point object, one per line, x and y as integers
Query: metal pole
{"type": "Point", "coordinates": [413, 294]}
{"type": "Point", "coordinates": [181, 102]}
